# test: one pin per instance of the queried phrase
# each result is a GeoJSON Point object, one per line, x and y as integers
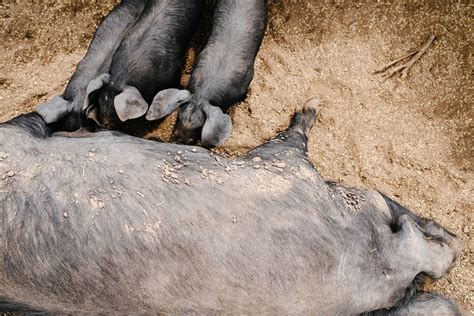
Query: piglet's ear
{"type": "Point", "coordinates": [165, 102]}
{"type": "Point", "coordinates": [54, 110]}
{"type": "Point", "coordinates": [130, 104]}
{"type": "Point", "coordinates": [217, 128]}
{"type": "Point", "coordinates": [93, 90]}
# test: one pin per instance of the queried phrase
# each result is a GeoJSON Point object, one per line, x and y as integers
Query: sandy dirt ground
{"type": "Point", "coordinates": [411, 139]}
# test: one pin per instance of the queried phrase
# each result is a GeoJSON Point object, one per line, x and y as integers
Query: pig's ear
{"type": "Point", "coordinates": [54, 110]}
{"type": "Point", "coordinates": [91, 114]}
{"type": "Point", "coordinates": [217, 128]}
{"type": "Point", "coordinates": [130, 104]}
{"type": "Point", "coordinates": [93, 90]}
{"type": "Point", "coordinates": [165, 102]}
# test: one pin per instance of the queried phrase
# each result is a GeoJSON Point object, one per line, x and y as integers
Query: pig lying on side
{"type": "Point", "coordinates": [113, 223]}
{"type": "Point", "coordinates": [221, 75]}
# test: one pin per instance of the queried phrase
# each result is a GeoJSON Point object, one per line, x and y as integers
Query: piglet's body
{"type": "Point", "coordinates": [65, 112]}
{"type": "Point", "coordinates": [149, 59]}
{"type": "Point", "coordinates": [221, 76]}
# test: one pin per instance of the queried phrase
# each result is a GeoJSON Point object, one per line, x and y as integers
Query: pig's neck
{"type": "Point", "coordinates": [22, 133]}
{"type": "Point", "coordinates": [31, 123]}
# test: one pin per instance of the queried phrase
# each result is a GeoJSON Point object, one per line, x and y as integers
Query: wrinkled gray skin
{"type": "Point", "coordinates": [112, 223]}
{"type": "Point", "coordinates": [150, 58]}
{"type": "Point", "coordinates": [97, 60]}
{"type": "Point", "coordinates": [222, 73]}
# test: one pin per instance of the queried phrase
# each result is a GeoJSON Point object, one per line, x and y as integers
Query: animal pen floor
{"type": "Point", "coordinates": [411, 139]}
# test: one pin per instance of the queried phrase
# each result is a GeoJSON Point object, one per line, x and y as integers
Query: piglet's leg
{"type": "Point", "coordinates": [295, 138]}
{"type": "Point", "coordinates": [423, 304]}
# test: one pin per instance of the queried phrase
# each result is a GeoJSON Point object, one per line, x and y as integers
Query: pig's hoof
{"type": "Point", "coordinates": [305, 118]}
{"type": "Point", "coordinates": [312, 103]}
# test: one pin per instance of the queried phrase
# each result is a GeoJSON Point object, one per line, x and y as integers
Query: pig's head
{"type": "Point", "coordinates": [109, 104]}
{"type": "Point", "coordinates": [202, 121]}
{"type": "Point", "coordinates": [191, 119]}
{"type": "Point", "coordinates": [61, 114]}
{"type": "Point", "coordinates": [198, 120]}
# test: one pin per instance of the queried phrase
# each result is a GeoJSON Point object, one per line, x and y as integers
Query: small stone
{"type": "Point", "coordinates": [4, 177]}
{"type": "Point", "coordinates": [280, 164]}
{"type": "Point", "coordinates": [111, 181]}
{"type": "Point", "coordinates": [94, 202]}
{"type": "Point", "coordinates": [91, 155]}
{"type": "Point", "coordinates": [465, 229]}
{"type": "Point", "coordinates": [257, 166]}
{"type": "Point", "coordinates": [11, 174]}
{"type": "Point", "coordinates": [97, 203]}
{"type": "Point", "coordinates": [193, 150]}
{"type": "Point", "coordinates": [186, 181]}
{"type": "Point", "coordinates": [180, 152]}
{"type": "Point", "coordinates": [65, 215]}
{"type": "Point", "coordinates": [120, 171]}
{"type": "Point", "coordinates": [257, 159]}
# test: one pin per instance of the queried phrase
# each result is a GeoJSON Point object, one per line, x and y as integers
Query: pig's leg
{"type": "Point", "coordinates": [423, 304]}
{"type": "Point", "coordinates": [293, 140]}
{"type": "Point", "coordinates": [428, 304]}
{"type": "Point", "coordinates": [14, 309]}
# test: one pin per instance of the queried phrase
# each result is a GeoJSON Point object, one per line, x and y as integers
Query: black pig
{"type": "Point", "coordinates": [149, 59]}
{"type": "Point", "coordinates": [221, 75]}
{"type": "Point", "coordinates": [112, 223]}
{"type": "Point", "coordinates": [65, 111]}
{"type": "Point", "coordinates": [145, 59]}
